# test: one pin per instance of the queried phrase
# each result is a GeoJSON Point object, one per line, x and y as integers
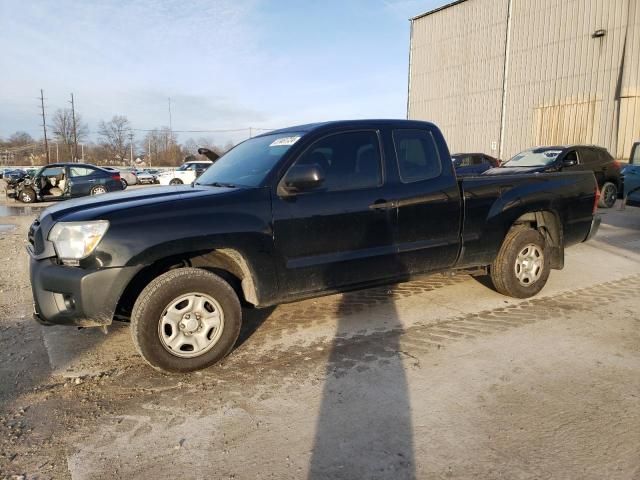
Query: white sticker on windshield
{"type": "Point", "coordinates": [285, 141]}
{"type": "Point", "coordinates": [552, 153]}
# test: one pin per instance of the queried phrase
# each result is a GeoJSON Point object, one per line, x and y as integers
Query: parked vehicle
{"type": "Point", "coordinates": [145, 177]}
{"type": "Point", "coordinates": [58, 181]}
{"type": "Point", "coordinates": [473, 163]}
{"type": "Point", "coordinates": [564, 158]}
{"type": "Point", "coordinates": [127, 177]}
{"type": "Point", "coordinates": [185, 174]}
{"type": "Point", "coordinates": [299, 212]}
{"type": "Point", "coordinates": [13, 177]}
{"type": "Point", "coordinates": [631, 177]}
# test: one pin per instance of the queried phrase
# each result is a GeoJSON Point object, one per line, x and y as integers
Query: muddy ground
{"type": "Point", "coordinates": [436, 378]}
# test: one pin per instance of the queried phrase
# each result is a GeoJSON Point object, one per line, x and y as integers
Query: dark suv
{"type": "Point", "coordinates": [569, 157]}
{"type": "Point", "coordinates": [65, 180]}
{"type": "Point", "coordinates": [473, 163]}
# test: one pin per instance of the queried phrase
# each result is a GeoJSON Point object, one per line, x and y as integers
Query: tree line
{"type": "Point", "coordinates": [116, 144]}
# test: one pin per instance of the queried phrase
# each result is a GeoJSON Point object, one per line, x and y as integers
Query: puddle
{"type": "Point", "coordinates": [19, 211]}
{"type": "Point", "coordinates": [4, 228]}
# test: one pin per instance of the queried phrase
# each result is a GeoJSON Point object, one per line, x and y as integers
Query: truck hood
{"type": "Point", "coordinates": [94, 206]}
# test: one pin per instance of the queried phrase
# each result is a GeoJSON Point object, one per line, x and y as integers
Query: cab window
{"type": "Point", "coordinates": [349, 160]}
{"type": "Point", "coordinates": [417, 154]}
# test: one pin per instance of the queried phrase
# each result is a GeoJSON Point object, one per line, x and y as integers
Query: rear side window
{"type": "Point", "coordinates": [80, 171]}
{"type": "Point", "coordinates": [349, 160]}
{"type": "Point", "coordinates": [417, 153]}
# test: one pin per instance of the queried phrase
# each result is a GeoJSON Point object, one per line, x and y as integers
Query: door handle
{"type": "Point", "coordinates": [382, 205]}
{"type": "Point", "coordinates": [91, 181]}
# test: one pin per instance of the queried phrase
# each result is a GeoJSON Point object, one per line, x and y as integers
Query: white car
{"type": "Point", "coordinates": [186, 173]}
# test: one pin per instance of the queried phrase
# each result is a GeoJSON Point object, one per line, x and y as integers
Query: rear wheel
{"type": "Point", "coordinates": [175, 181]}
{"type": "Point", "coordinates": [521, 268]}
{"type": "Point", "coordinates": [98, 190]}
{"type": "Point", "coordinates": [608, 195]}
{"type": "Point", "coordinates": [27, 195]}
{"type": "Point", "coordinates": [185, 320]}
{"type": "Point", "coordinates": [124, 183]}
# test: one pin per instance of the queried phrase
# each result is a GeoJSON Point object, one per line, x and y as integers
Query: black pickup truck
{"type": "Point", "coordinates": [299, 212]}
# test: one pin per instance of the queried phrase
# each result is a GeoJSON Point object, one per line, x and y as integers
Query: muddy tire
{"type": "Point", "coordinates": [522, 267]}
{"type": "Point", "coordinates": [27, 195]}
{"type": "Point", "coordinates": [175, 181]}
{"type": "Point", "coordinates": [608, 195]}
{"type": "Point", "coordinates": [186, 319]}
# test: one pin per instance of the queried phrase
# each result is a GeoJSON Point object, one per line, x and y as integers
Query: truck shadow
{"type": "Point", "coordinates": [364, 427]}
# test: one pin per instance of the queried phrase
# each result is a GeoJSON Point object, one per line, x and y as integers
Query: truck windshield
{"type": "Point", "coordinates": [535, 157]}
{"type": "Point", "coordinates": [247, 164]}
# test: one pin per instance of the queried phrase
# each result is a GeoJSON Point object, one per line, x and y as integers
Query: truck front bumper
{"type": "Point", "coordinates": [66, 295]}
{"type": "Point", "coordinates": [595, 225]}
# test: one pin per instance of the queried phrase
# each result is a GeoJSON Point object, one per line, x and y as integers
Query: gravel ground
{"type": "Point", "coordinates": [436, 378]}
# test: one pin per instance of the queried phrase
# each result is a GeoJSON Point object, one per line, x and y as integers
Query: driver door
{"type": "Point", "coordinates": [342, 232]}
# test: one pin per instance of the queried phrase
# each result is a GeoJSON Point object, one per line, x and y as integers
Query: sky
{"type": "Point", "coordinates": [225, 64]}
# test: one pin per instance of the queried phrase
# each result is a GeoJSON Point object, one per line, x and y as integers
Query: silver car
{"type": "Point", "coordinates": [127, 177]}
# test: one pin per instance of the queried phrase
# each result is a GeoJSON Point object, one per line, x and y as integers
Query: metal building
{"type": "Point", "coordinates": [499, 76]}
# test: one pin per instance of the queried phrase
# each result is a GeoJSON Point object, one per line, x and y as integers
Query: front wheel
{"type": "Point", "coordinates": [522, 267]}
{"type": "Point", "coordinates": [175, 181]}
{"type": "Point", "coordinates": [27, 195]}
{"type": "Point", "coordinates": [608, 195]}
{"type": "Point", "coordinates": [185, 320]}
{"type": "Point", "coordinates": [124, 183]}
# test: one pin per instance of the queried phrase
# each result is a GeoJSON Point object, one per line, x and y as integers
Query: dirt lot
{"type": "Point", "coordinates": [437, 378]}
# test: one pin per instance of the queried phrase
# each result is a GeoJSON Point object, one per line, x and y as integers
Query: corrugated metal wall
{"type": "Point", "coordinates": [457, 64]}
{"type": "Point", "coordinates": [562, 85]}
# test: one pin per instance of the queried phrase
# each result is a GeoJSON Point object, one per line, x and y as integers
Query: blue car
{"type": "Point", "coordinates": [469, 164]}
{"type": "Point", "coordinates": [631, 177]}
{"type": "Point", "coordinates": [59, 181]}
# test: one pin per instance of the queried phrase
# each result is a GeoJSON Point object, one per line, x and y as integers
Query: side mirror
{"type": "Point", "coordinates": [569, 162]}
{"type": "Point", "coordinates": [302, 178]}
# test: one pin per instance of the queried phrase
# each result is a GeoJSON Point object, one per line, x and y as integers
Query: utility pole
{"type": "Point", "coordinates": [57, 153]}
{"type": "Point", "coordinates": [75, 132]}
{"type": "Point", "coordinates": [170, 124]}
{"type": "Point", "coordinates": [131, 146]}
{"type": "Point", "coordinates": [149, 151]}
{"type": "Point", "coordinates": [44, 126]}
{"type": "Point", "coordinates": [82, 146]}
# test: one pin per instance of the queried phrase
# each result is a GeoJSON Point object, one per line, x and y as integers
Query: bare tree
{"type": "Point", "coordinates": [163, 147]}
{"type": "Point", "coordinates": [63, 130]}
{"type": "Point", "coordinates": [115, 136]}
{"type": "Point", "coordinates": [19, 139]}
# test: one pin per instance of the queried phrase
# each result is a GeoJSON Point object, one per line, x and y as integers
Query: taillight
{"type": "Point", "coordinates": [596, 198]}
{"type": "Point", "coordinates": [116, 176]}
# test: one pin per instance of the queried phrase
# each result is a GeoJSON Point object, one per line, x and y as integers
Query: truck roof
{"type": "Point", "coordinates": [309, 127]}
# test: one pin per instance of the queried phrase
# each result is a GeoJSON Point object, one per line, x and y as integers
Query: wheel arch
{"type": "Point", "coordinates": [227, 263]}
{"type": "Point", "coordinates": [548, 224]}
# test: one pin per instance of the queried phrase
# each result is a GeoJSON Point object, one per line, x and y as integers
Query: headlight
{"type": "Point", "coordinates": [76, 240]}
